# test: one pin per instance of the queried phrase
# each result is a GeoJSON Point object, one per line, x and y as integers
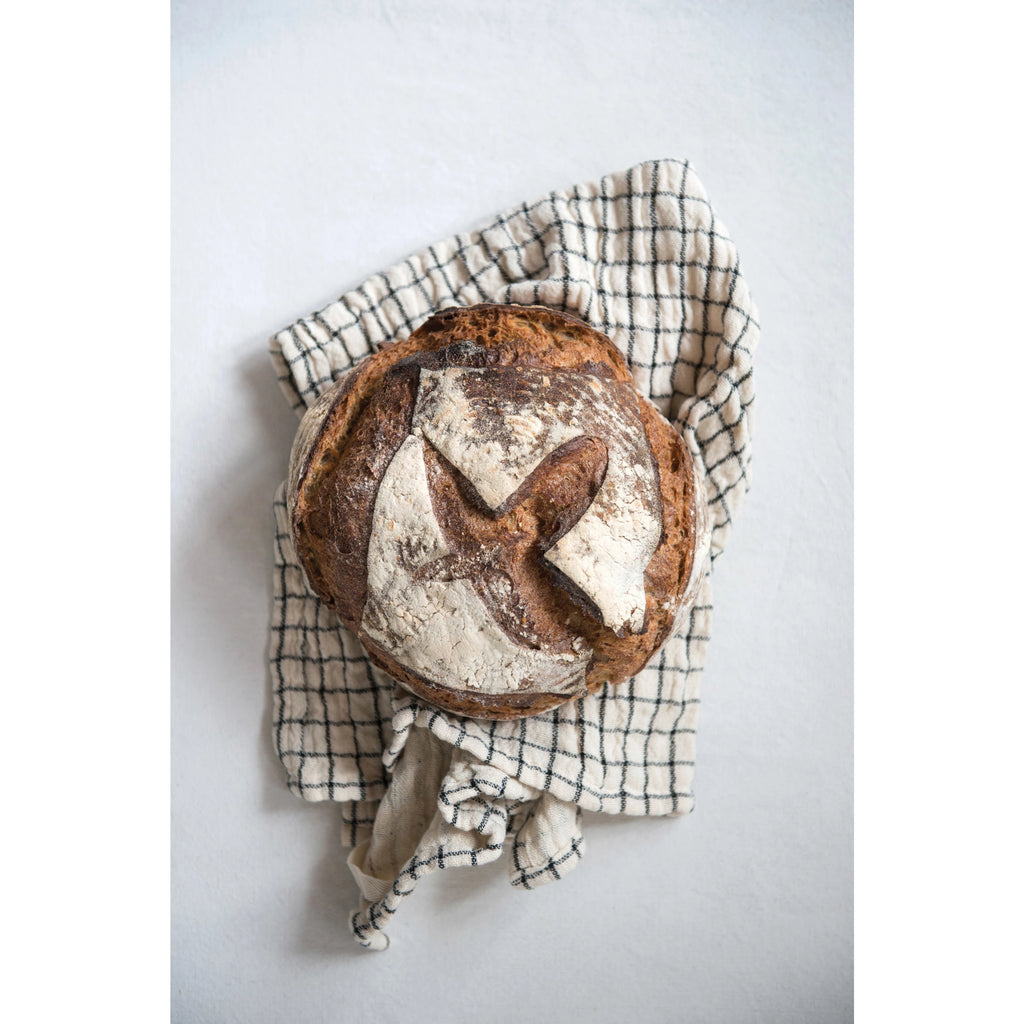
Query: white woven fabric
{"type": "Point", "coordinates": [641, 256]}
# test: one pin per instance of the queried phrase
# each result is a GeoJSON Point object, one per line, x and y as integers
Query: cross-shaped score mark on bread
{"type": "Point", "coordinates": [443, 629]}
{"type": "Point", "coordinates": [496, 425]}
{"type": "Point", "coordinates": [501, 551]}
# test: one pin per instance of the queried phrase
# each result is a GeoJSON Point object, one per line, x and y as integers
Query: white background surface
{"type": "Point", "coordinates": [313, 144]}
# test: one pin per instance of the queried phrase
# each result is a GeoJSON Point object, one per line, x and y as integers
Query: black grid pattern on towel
{"type": "Point", "coordinates": [553, 871]}
{"type": "Point", "coordinates": [368, 923]}
{"type": "Point", "coordinates": [642, 257]}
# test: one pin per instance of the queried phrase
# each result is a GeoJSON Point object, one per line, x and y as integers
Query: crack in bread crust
{"type": "Point", "coordinates": [502, 550]}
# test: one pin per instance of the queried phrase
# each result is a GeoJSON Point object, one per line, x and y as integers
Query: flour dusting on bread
{"type": "Point", "coordinates": [441, 628]}
{"type": "Point", "coordinates": [496, 427]}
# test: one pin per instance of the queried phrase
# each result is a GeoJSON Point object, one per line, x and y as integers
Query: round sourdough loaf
{"type": "Point", "coordinates": [497, 513]}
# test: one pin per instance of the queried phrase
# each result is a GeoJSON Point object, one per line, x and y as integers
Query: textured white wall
{"type": "Point", "coordinates": [314, 143]}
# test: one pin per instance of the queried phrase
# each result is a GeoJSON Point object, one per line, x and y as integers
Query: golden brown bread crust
{"type": "Point", "coordinates": [361, 424]}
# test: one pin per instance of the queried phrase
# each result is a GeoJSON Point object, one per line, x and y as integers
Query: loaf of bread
{"type": "Point", "coordinates": [497, 513]}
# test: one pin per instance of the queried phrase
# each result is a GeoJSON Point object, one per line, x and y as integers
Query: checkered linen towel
{"type": "Point", "coordinates": [641, 256]}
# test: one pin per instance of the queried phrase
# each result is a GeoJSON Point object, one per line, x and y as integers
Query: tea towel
{"type": "Point", "coordinates": [641, 256]}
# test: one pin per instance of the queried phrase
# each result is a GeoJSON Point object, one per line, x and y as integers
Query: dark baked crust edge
{"type": "Point", "coordinates": [490, 707]}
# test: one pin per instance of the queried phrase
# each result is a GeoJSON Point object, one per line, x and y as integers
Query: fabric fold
{"type": "Point", "coordinates": [443, 809]}
{"type": "Point", "coordinates": [548, 845]}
